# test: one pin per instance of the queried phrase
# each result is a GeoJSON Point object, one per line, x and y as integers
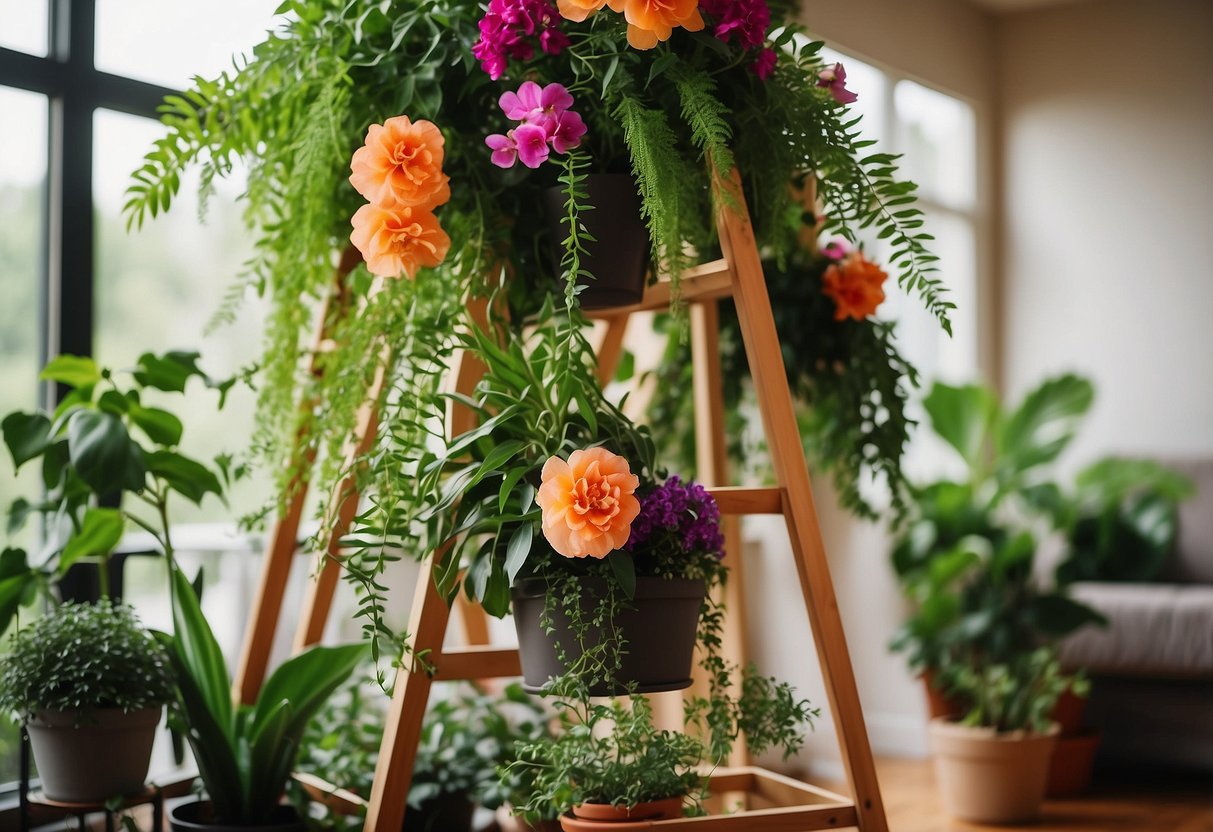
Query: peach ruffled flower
{"type": "Point", "coordinates": [653, 21]}
{"type": "Point", "coordinates": [588, 503]}
{"type": "Point", "coordinates": [399, 240]}
{"type": "Point", "coordinates": [579, 10]}
{"type": "Point", "coordinates": [401, 164]}
{"type": "Point", "coordinates": [855, 285]}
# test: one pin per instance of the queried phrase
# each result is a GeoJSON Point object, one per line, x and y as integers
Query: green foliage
{"type": "Point", "coordinates": [848, 376]}
{"type": "Point", "coordinates": [81, 657]}
{"type": "Point", "coordinates": [1018, 695]}
{"type": "Point", "coordinates": [464, 738]}
{"type": "Point", "coordinates": [102, 443]}
{"type": "Point", "coordinates": [245, 754]}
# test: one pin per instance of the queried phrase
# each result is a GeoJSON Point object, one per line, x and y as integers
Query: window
{"type": "Point", "coordinates": [80, 81]}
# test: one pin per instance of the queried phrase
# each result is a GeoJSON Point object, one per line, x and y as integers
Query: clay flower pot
{"type": "Point", "coordinates": [989, 777]}
{"type": "Point", "coordinates": [659, 627]}
{"type": "Point", "coordinates": [618, 258]}
{"type": "Point", "coordinates": [587, 817]}
{"type": "Point", "coordinates": [65, 745]}
{"type": "Point", "coordinates": [1072, 764]}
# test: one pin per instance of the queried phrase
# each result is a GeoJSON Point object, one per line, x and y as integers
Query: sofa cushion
{"type": "Point", "coordinates": [1193, 560]}
{"type": "Point", "coordinates": [1160, 629]}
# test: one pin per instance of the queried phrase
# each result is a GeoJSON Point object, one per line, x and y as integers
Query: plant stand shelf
{"type": "Point", "coordinates": [770, 802]}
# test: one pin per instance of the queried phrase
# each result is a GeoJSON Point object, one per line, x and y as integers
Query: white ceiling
{"type": "Point", "coordinates": [1010, 6]}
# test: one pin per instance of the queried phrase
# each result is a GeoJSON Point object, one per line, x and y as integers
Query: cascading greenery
{"type": "Point", "coordinates": [675, 117]}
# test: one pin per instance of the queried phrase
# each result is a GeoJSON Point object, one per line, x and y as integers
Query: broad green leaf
{"type": "Point", "coordinates": [167, 372]}
{"type": "Point", "coordinates": [962, 416]}
{"type": "Point", "coordinates": [186, 476]}
{"type": "Point", "coordinates": [18, 512]}
{"type": "Point", "coordinates": [517, 551]}
{"type": "Point", "coordinates": [625, 571]}
{"type": "Point", "coordinates": [1058, 615]}
{"type": "Point", "coordinates": [201, 660]}
{"type": "Point", "coordinates": [99, 533]}
{"type": "Point", "coordinates": [1043, 425]}
{"type": "Point", "coordinates": [161, 427]}
{"type": "Point", "coordinates": [1113, 479]}
{"type": "Point", "coordinates": [13, 593]}
{"type": "Point", "coordinates": [508, 482]}
{"type": "Point", "coordinates": [102, 452]}
{"type": "Point", "coordinates": [306, 681]}
{"type": "Point", "coordinates": [72, 370]}
{"type": "Point", "coordinates": [54, 464]}
{"type": "Point", "coordinates": [27, 435]}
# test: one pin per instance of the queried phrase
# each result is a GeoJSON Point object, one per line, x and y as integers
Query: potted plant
{"type": "Point", "coordinates": [85, 677]}
{"type": "Point", "coordinates": [245, 753]}
{"type": "Point", "coordinates": [609, 764]}
{"type": "Point", "coordinates": [992, 764]}
{"type": "Point", "coordinates": [466, 735]}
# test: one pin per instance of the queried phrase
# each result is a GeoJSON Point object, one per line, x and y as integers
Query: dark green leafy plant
{"type": "Point", "coordinates": [464, 738]}
{"type": "Point", "coordinates": [1016, 695]}
{"type": "Point", "coordinates": [245, 753]}
{"type": "Point", "coordinates": [81, 657]}
{"type": "Point", "coordinates": [108, 458]}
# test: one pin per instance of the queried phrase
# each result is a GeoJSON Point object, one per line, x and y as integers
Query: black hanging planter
{"type": "Point", "coordinates": [659, 626]}
{"type": "Point", "coordinates": [619, 256]}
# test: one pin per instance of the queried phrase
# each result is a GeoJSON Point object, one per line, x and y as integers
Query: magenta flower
{"type": "Point", "coordinates": [567, 131]}
{"type": "Point", "coordinates": [532, 142]}
{"type": "Point", "coordinates": [764, 64]}
{"type": "Point", "coordinates": [747, 19]}
{"type": "Point", "coordinates": [836, 249]}
{"type": "Point", "coordinates": [505, 149]}
{"type": "Point", "coordinates": [834, 79]}
{"type": "Point", "coordinates": [533, 104]}
{"type": "Point", "coordinates": [506, 31]}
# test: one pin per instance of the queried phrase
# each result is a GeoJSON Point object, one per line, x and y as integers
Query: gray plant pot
{"type": "Point", "coordinates": [659, 629]}
{"type": "Point", "coordinates": [195, 816]}
{"type": "Point", "coordinates": [89, 758]}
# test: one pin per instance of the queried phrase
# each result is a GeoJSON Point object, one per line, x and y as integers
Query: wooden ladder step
{"type": "Point", "coordinates": [707, 281]}
{"type": "Point", "coordinates": [477, 661]}
{"type": "Point", "coordinates": [740, 500]}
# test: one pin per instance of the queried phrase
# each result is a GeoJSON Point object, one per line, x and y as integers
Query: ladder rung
{"type": "Point", "coordinates": [704, 282]}
{"type": "Point", "coordinates": [477, 662]}
{"type": "Point", "coordinates": [737, 500]}
{"type": "Point", "coordinates": [340, 801]}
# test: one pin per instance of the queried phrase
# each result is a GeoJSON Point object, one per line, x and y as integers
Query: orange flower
{"type": "Point", "coordinates": [651, 21]}
{"type": "Point", "coordinates": [855, 286]}
{"type": "Point", "coordinates": [579, 10]}
{"type": "Point", "coordinates": [399, 239]}
{"type": "Point", "coordinates": [401, 163]}
{"type": "Point", "coordinates": [588, 503]}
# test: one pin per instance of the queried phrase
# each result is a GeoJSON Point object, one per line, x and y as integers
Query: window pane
{"type": "Point", "coordinates": [25, 25]}
{"type": "Point", "coordinates": [144, 38]}
{"type": "Point", "coordinates": [938, 136]}
{"type": "Point", "coordinates": [158, 289]}
{"type": "Point", "coordinates": [22, 234]}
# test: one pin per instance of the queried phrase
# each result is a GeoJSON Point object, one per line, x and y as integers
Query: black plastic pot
{"type": "Point", "coordinates": [445, 813]}
{"type": "Point", "coordinates": [619, 256]}
{"type": "Point", "coordinates": [659, 627]}
{"type": "Point", "coordinates": [66, 745]}
{"type": "Point", "coordinates": [196, 816]}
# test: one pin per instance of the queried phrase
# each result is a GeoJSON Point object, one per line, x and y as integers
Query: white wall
{"type": "Point", "coordinates": [1108, 263]}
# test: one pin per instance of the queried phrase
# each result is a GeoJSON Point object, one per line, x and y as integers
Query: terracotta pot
{"type": "Point", "coordinates": [988, 777]}
{"type": "Point", "coordinates": [618, 258]}
{"type": "Point", "coordinates": [196, 816]}
{"type": "Point", "coordinates": [939, 704]}
{"type": "Point", "coordinates": [509, 822]}
{"type": "Point", "coordinates": [659, 625]}
{"type": "Point", "coordinates": [66, 752]}
{"type": "Point", "coordinates": [587, 817]}
{"type": "Point", "coordinates": [1068, 712]}
{"type": "Point", "coordinates": [1072, 764]}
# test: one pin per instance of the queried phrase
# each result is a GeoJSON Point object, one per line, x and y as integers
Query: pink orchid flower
{"type": "Point", "coordinates": [532, 143]}
{"type": "Point", "coordinates": [505, 149]}
{"type": "Point", "coordinates": [536, 105]}
{"type": "Point", "coordinates": [834, 79]}
{"type": "Point", "coordinates": [567, 130]}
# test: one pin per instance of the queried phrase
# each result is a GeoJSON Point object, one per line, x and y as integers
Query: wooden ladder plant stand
{"type": "Point", "coordinates": [784, 805]}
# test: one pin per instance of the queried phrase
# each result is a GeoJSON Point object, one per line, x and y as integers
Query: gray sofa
{"type": "Point", "coordinates": [1152, 667]}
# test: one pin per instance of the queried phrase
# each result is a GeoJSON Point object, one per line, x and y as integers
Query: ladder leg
{"type": "Point", "coordinates": [398, 749]}
{"type": "Point", "coordinates": [611, 348]}
{"type": "Point", "coordinates": [787, 455]}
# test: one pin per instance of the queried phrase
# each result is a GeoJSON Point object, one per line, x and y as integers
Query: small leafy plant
{"type": "Point", "coordinates": [1016, 695]}
{"type": "Point", "coordinates": [82, 657]}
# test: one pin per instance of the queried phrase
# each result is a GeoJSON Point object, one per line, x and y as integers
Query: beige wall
{"type": "Point", "coordinates": [1108, 200]}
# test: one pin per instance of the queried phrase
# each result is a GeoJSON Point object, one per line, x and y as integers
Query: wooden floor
{"type": "Point", "coordinates": [1142, 801]}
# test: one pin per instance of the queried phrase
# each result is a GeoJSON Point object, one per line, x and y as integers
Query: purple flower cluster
{"type": "Point", "coordinates": [506, 30]}
{"type": "Point", "coordinates": [686, 511]}
{"type": "Point", "coordinates": [748, 20]}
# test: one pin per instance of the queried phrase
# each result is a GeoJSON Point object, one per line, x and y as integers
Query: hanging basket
{"type": "Point", "coordinates": [659, 626]}
{"type": "Point", "coordinates": [618, 256]}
